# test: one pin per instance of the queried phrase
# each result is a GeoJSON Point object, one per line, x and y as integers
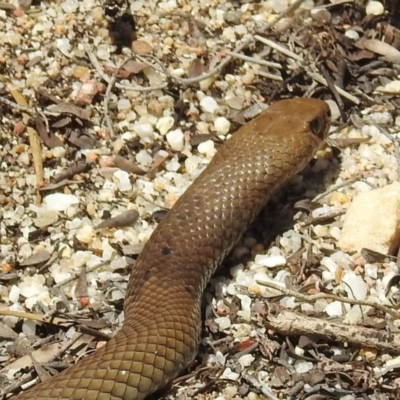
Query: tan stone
{"type": "Point", "coordinates": [372, 221]}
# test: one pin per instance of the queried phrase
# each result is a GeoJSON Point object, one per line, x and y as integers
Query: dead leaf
{"type": "Point", "coordinates": [47, 137]}
{"type": "Point", "coordinates": [134, 67]}
{"type": "Point", "coordinates": [382, 48]}
{"type": "Point", "coordinates": [74, 170]}
{"type": "Point", "coordinates": [69, 108]}
{"type": "Point", "coordinates": [6, 332]}
{"type": "Point", "coordinates": [81, 140]}
{"type": "Point", "coordinates": [37, 258]}
{"type": "Point", "coordinates": [196, 68]}
{"type": "Point", "coordinates": [62, 122]}
{"type": "Point", "coordinates": [126, 165]}
{"type": "Point", "coordinates": [81, 289]}
{"type": "Point", "coordinates": [127, 218]}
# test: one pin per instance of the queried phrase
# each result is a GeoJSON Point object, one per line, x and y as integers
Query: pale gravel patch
{"type": "Point", "coordinates": [112, 191]}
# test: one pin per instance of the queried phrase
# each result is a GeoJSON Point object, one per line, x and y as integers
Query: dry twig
{"type": "Point", "coordinates": [34, 141]}
{"type": "Point", "coordinates": [260, 386]}
{"type": "Point", "coordinates": [314, 297]}
{"type": "Point", "coordinates": [290, 323]}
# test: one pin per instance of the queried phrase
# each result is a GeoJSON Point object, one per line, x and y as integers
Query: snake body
{"type": "Point", "coordinates": [161, 331]}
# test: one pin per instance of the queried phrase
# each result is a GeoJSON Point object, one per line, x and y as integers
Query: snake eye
{"type": "Point", "coordinates": [318, 127]}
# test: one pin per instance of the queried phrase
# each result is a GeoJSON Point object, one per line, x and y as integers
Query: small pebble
{"type": "Point", "coordinates": [85, 234]}
{"type": "Point", "coordinates": [355, 286]}
{"type": "Point", "coordinates": [352, 34]}
{"type": "Point", "coordinates": [230, 375]}
{"type": "Point", "coordinates": [233, 17]}
{"type": "Point", "coordinates": [46, 218]}
{"type": "Point", "coordinates": [221, 125]}
{"type": "Point", "coordinates": [223, 323]}
{"type": "Point", "coordinates": [164, 124]}
{"type": "Point", "coordinates": [302, 367]}
{"type": "Point", "coordinates": [123, 180]}
{"type": "Point", "coordinates": [59, 152]}
{"type": "Point", "coordinates": [123, 104]}
{"type": "Point", "coordinates": [14, 293]}
{"type": "Point", "coordinates": [246, 360]}
{"type": "Point", "coordinates": [144, 131]}
{"type": "Point", "coordinates": [374, 8]}
{"type": "Point", "coordinates": [175, 139]}
{"type": "Point", "coordinates": [60, 201]}
{"type": "Point", "coordinates": [270, 262]}
{"type": "Point", "coordinates": [334, 309]}
{"type": "Point", "coordinates": [206, 147]}
{"type": "Point", "coordinates": [208, 104]}
{"type": "Point", "coordinates": [371, 270]}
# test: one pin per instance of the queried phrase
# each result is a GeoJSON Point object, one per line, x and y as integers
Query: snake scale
{"type": "Point", "coordinates": [161, 332]}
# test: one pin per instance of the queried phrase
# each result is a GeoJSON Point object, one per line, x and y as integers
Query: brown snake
{"type": "Point", "coordinates": [161, 331]}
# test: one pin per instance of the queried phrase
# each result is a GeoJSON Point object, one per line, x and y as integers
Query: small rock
{"type": "Point", "coordinates": [390, 87]}
{"type": "Point", "coordinates": [334, 309]}
{"type": "Point", "coordinates": [164, 124]}
{"type": "Point", "coordinates": [371, 270]}
{"type": "Point", "coordinates": [320, 230]}
{"type": "Point", "coordinates": [303, 367]}
{"type": "Point", "coordinates": [223, 323]}
{"type": "Point", "coordinates": [58, 152]}
{"type": "Point", "coordinates": [355, 286]}
{"type": "Point", "coordinates": [206, 147]}
{"type": "Point", "coordinates": [88, 90]}
{"type": "Point", "coordinates": [279, 6]}
{"type": "Point", "coordinates": [235, 103]}
{"type": "Point", "coordinates": [14, 293]}
{"type": "Point", "coordinates": [208, 104]}
{"type": "Point", "coordinates": [144, 158]}
{"type": "Point", "coordinates": [85, 234]}
{"type": "Point", "coordinates": [123, 104]}
{"type": "Point", "coordinates": [63, 45]}
{"type": "Point", "coordinates": [230, 375]}
{"type": "Point", "coordinates": [352, 34]}
{"type": "Point", "coordinates": [144, 131]}
{"type": "Point", "coordinates": [46, 218]}
{"type": "Point", "coordinates": [382, 118]}
{"type": "Point", "coordinates": [374, 8]}
{"type": "Point", "coordinates": [233, 17]}
{"type": "Point", "coordinates": [60, 201]}
{"type": "Point", "coordinates": [241, 30]}
{"type": "Point", "coordinates": [246, 360]}
{"type": "Point", "coordinates": [123, 180]}
{"type": "Point", "coordinates": [372, 221]}
{"type": "Point", "coordinates": [228, 34]}
{"type": "Point", "coordinates": [80, 72]}
{"type": "Point", "coordinates": [248, 77]}
{"type": "Point", "coordinates": [32, 286]}
{"type": "Point", "coordinates": [222, 125]}
{"type": "Point", "coordinates": [154, 77]}
{"type": "Point", "coordinates": [270, 262]}
{"type": "Point", "coordinates": [354, 316]}
{"type": "Point", "coordinates": [175, 139]}
{"type": "Point", "coordinates": [245, 302]}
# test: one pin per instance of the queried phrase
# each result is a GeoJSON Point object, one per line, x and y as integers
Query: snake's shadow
{"type": "Point", "coordinates": [277, 217]}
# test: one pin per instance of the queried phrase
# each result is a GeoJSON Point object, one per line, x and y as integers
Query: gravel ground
{"type": "Point", "coordinates": [105, 114]}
